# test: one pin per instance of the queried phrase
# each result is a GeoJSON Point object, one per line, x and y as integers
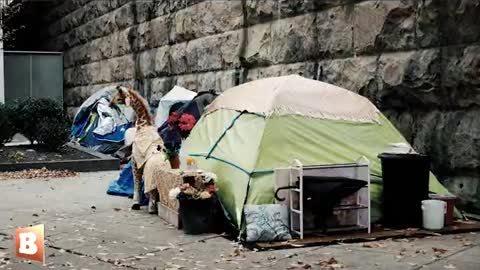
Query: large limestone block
{"type": "Point", "coordinates": [160, 30]}
{"type": "Point", "coordinates": [451, 139]}
{"type": "Point", "coordinates": [206, 81]}
{"type": "Point", "coordinates": [259, 11]}
{"type": "Point", "coordinates": [288, 8]}
{"type": "Point", "coordinates": [354, 74]}
{"type": "Point", "coordinates": [122, 68]}
{"type": "Point", "coordinates": [225, 80]}
{"type": "Point", "coordinates": [124, 16]}
{"type": "Point", "coordinates": [104, 74]}
{"type": "Point", "coordinates": [334, 32]}
{"type": "Point", "coordinates": [448, 22]}
{"type": "Point", "coordinates": [325, 34]}
{"type": "Point", "coordinates": [189, 81]}
{"type": "Point", "coordinates": [213, 52]}
{"type": "Point", "coordinates": [159, 87]}
{"type": "Point", "coordinates": [120, 43]}
{"type": "Point", "coordinates": [461, 77]}
{"type": "Point", "coordinates": [410, 80]}
{"type": "Point", "coordinates": [83, 75]}
{"type": "Point", "coordinates": [384, 25]}
{"type": "Point", "coordinates": [206, 18]}
{"type": "Point", "coordinates": [305, 69]}
{"type": "Point", "coordinates": [258, 45]}
{"type": "Point", "coordinates": [162, 61]}
{"type": "Point", "coordinates": [86, 13]}
{"type": "Point", "coordinates": [143, 37]}
{"type": "Point", "coordinates": [178, 54]}
{"type": "Point", "coordinates": [146, 63]}
{"type": "Point", "coordinates": [293, 39]}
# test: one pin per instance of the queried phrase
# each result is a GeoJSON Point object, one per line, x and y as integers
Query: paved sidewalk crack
{"type": "Point", "coordinates": [109, 261]}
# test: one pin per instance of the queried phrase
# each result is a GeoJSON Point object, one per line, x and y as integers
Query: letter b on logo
{"type": "Point", "coordinates": [30, 243]}
{"type": "Point", "coordinates": [27, 243]}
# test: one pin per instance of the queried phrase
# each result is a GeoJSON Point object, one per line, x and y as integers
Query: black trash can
{"type": "Point", "coordinates": [405, 185]}
{"type": "Point", "coordinates": [198, 215]}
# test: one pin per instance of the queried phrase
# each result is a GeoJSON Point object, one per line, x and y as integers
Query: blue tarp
{"type": "Point", "coordinates": [123, 186]}
{"type": "Point", "coordinates": [99, 126]}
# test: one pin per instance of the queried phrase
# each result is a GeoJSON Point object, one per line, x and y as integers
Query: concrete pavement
{"type": "Point", "coordinates": [87, 229]}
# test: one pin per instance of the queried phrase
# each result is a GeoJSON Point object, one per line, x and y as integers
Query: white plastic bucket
{"type": "Point", "coordinates": [433, 214]}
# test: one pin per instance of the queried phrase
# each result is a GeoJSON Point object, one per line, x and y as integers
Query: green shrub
{"type": "Point", "coordinates": [53, 132]}
{"type": "Point", "coordinates": [30, 113]}
{"type": "Point", "coordinates": [7, 127]}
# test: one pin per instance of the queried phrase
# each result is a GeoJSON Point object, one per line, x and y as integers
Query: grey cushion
{"type": "Point", "coordinates": [267, 222]}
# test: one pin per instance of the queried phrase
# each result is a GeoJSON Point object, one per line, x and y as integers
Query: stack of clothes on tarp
{"type": "Point", "coordinates": [99, 126]}
{"type": "Point", "coordinates": [178, 101]}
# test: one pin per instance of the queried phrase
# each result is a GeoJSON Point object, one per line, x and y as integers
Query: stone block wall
{"type": "Point", "coordinates": [417, 60]}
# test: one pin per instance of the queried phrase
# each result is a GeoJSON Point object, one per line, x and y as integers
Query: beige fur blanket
{"type": "Point", "coordinates": [146, 144]}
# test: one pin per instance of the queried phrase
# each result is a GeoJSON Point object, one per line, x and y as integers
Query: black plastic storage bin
{"type": "Point", "coordinates": [405, 185]}
{"type": "Point", "coordinates": [198, 216]}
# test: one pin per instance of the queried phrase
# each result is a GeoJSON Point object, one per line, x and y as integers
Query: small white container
{"type": "Point", "coordinates": [433, 214]}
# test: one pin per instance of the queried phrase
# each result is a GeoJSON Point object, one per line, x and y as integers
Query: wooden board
{"type": "Point", "coordinates": [377, 234]}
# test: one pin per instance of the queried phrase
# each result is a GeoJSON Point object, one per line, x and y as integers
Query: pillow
{"type": "Point", "coordinates": [267, 222]}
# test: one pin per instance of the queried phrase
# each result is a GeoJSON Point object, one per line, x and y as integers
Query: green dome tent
{"type": "Point", "coordinates": [253, 128]}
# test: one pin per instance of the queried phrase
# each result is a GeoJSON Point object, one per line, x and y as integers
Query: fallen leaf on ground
{"type": "Point", "coordinates": [439, 251]}
{"type": "Point", "coordinates": [67, 264]}
{"type": "Point", "coordinates": [37, 173]}
{"type": "Point", "coordinates": [331, 263]}
{"type": "Point", "coordinates": [35, 215]}
{"type": "Point", "coordinates": [300, 265]}
{"type": "Point", "coordinates": [373, 245]}
{"type": "Point", "coordinates": [466, 243]}
{"type": "Point", "coordinates": [410, 231]}
{"type": "Point", "coordinates": [117, 209]}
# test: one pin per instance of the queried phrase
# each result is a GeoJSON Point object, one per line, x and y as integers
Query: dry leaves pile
{"type": "Point", "coordinates": [373, 245]}
{"type": "Point", "coordinates": [438, 252]}
{"type": "Point", "coordinates": [37, 173]}
{"type": "Point", "coordinates": [330, 264]}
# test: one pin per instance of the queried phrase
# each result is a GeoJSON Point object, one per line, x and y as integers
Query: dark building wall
{"type": "Point", "coordinates": [417, 60]}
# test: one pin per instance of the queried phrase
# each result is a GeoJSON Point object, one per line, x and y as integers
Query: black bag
{"type": "Point", "coordinates": [198, 216]}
